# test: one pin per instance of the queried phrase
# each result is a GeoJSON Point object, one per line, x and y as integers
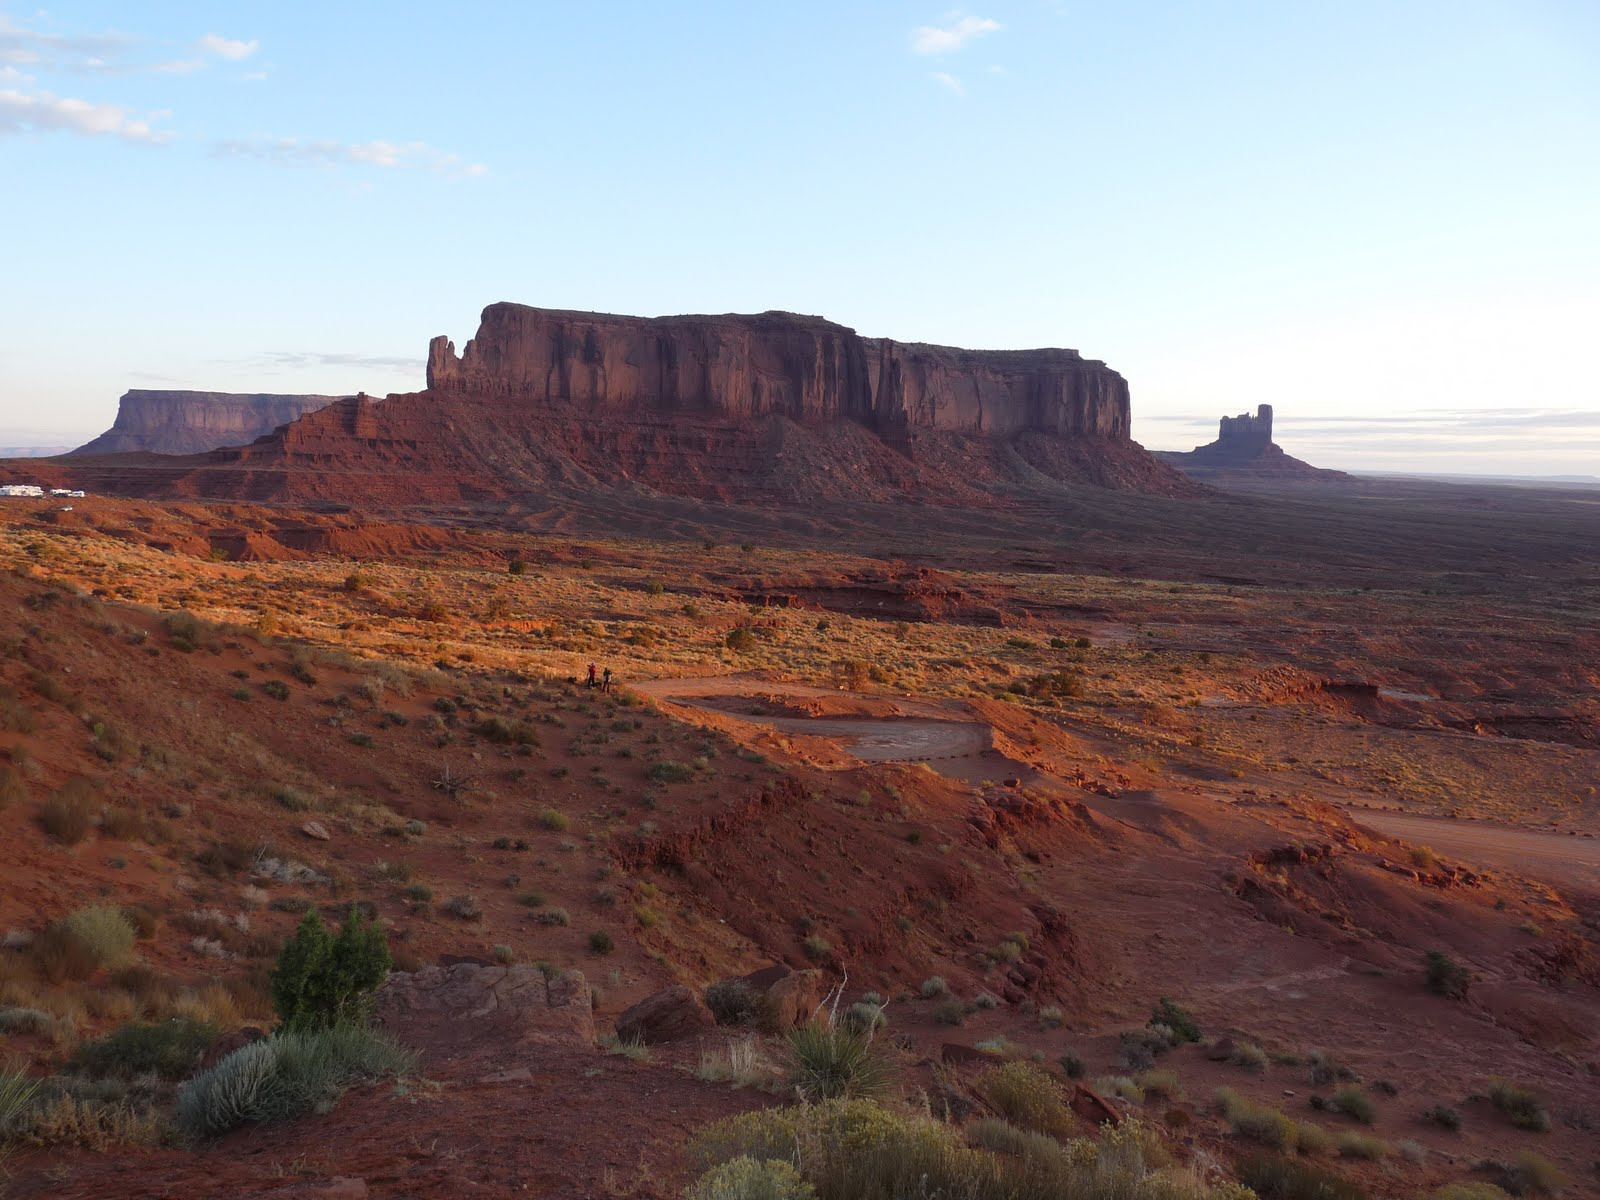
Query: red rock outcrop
{"type": "Point", "coordinates": [777, 364]}
{"type": "Point", "coordinates": [772, 409]}
{"type": "Point", "coordinates": [1244, 449]}
{"type": "Point", "coordinates": [194, 422]}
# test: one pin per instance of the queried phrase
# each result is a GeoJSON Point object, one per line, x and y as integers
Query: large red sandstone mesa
{"type": "Point", "coordinates": [194, 422]}
{"type": "Point", "coordinates": [585, 410]}
{"type": "Point", "coordinates": [804, 368]}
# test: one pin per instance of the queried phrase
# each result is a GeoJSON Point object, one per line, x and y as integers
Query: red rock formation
{"type": "Point", "coordinates": [194, 422]}
{"type": "Point", "coordinates": [1244, 450]}
{"type": "Point", "coordinates": [777, 364]}
{"type": "Point", "coordinates": [772, 409]}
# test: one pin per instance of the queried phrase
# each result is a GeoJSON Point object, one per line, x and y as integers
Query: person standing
{"type": "Point", "coordinates": [591, 674]}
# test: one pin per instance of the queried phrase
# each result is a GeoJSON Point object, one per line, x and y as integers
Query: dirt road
{"type": "Point", "coordinates": [1553, 856]}
{"type": "Point", "coordinates": [930, 731]}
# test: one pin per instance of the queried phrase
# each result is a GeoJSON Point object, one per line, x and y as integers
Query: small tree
{"type": "Point", "coordinates": [322, 981]}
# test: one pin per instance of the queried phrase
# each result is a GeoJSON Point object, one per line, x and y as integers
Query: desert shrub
{"type": "Point", "coordinates": [553, 916]}
{"type": "Point", "coordinates": [668, 771]}
{"type": "Point", "coordinates": [1258, 1122]}
{"type": "Point", "coordinates": [322, 981]}
{"type": "Point", "coordinates": [601, 942]}
{"type": "Point", "coordinates": [16, 1093]}
{"type": "Point", "coordinates": [1535, 1175]}
{"type": "Point", "coordinates": [1444, 1116]}
{"type": "Point", "coordinates": [732, 1002]}
{"type": "Point", "coordinates": [69, 814]}
{"type": "Point", "coordinates": [1161, 1084]}
{"type": "Point", "coordinates": [830, 1062]}
{"type": "Point", "coordinates": [856, 1150]}
{"type": "Point", "coordinates": [82, 942]}
{"type": "Point", "coordinates": [745, 1178]}
{"type": "Point", "coordinates": [1312, 1139]}
{"type": "Point", "coordinates": [950, 1012]}
{"type": "Point", "coordinates": [1171, 1016]}
{"type": "Point", "coordinates": [1073, 1066]}
{"type": "Point", "coordinates": [933, 986]}
{"type": "Point", "coordinates": [1249, 1056]}
{"type": "Point", "coordinates": [556, 822]}
{"type": "Point", "coordinates": [285, 1076]}
{"type": "Point", "coordinates": [1273, 1177]}
{"type": "Point", "coordinates": [1139, 1048]}
{"type": "Point", "coordinates": [464, 907]}
{"type": "Point", "coordinates": [68, 1112]}
{"type": "Point", "coordinates": [504, 733]}
{"type": "Point", "coordinates": [1520, 1106]}
{"type": "Point", "coordinates": [276, 688]}
{"type": "Point", "coordinates": [864, 1017]}
{"type": "Point", "coordinates": [13, 788]}
{"type": "Point", "coordinates": [1361, 1145]}
{"type": "Point", "coordinates": [1325, 1069]}
{"type": "Point", "coordinates": [1120, 1085]}
{"type": "Point", "coordinates": [169, 1049]}
{"type": "Point", "coordinates": [1027, 1097]}
{"type": "Point", "coordinates": [1445, 976]}
{"type": "Point", "coordinates": [817, 947]}
{"type": "Point", "coordinates": [1354, 1103]}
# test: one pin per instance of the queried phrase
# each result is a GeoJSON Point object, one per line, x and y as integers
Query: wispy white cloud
{"type": "Point", "coordinates": [229, 48]}
{"type": "Point", "coordinates": [304, 152]}
{"type": "Point", "coordinates": [949, 81]}
{"type": "Point", "coordinates": [253, 77]}
{"type": "Point", "coordinates": [954, 35]}
{"type": "Point", "coordinates": [309, 359]}
{"type": "Point", "coordinates": [46, 113]}
{"type": "Point", "coordinates": [22, 46]}
{"type": "Point", "coordinates": [179, 66]}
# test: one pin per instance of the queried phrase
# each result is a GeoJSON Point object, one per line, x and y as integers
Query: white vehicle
{"type": "Point", "coordinates": [28, 490]}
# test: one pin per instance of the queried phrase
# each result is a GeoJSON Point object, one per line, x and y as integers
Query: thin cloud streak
{"type": "Point", "coordinates": [229, 48]}
{"type": "Point", "coordinates": [951, 37]}
{"type": "Point", "coordinates": [302, 152]}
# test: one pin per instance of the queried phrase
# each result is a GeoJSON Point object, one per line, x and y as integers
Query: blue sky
{"type": "Point", "coordinates": [1379, 217]}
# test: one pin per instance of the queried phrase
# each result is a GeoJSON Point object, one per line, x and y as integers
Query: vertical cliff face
{"type": "Point", "coordinates": [803, 368]}
{"type": "Point", "coordinates": [194, 422]}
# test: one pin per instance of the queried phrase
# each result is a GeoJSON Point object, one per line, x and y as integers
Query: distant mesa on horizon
{"type": "Point", "coordinates": [1244, 449]}
{"type": "Point", "coordinates": [185, 422]}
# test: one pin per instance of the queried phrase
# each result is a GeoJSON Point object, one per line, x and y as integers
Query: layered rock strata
{"type": "Point", "coordinates": [194, 422]}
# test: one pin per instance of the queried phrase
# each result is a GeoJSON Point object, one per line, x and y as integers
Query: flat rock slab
{"type": "Point", "coordinates": [466, 1001]}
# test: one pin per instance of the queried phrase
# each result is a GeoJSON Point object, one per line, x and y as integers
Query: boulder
{"type": "Point", "coordinates": [1092, 1107]}
{"type": "Point", "coordinates": [792, 997]}
{"type": "Point", "coordinates": [464, 1001]}
{"type": "Point", "coordinates": [665, 1016]}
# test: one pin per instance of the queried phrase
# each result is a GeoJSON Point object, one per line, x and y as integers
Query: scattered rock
{"type": "Point", "coordinates": [465, 1001]}
{"type": "Point", "coordinates": [665, 1016]}
{"type": "Point", "coordinates": [315, 829]}
{"type": "Point", "coordinates": [1093, 1107]}
{"type": "Point", "coordinates": [793, 997]}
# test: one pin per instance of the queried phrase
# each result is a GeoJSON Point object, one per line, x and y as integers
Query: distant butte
{"type": "Point", "coordinates": [765, 409]}
{"type": "Point", "coordinates": [156, 422]}
{"type": "Point", "coordinates": [1244, 449]}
